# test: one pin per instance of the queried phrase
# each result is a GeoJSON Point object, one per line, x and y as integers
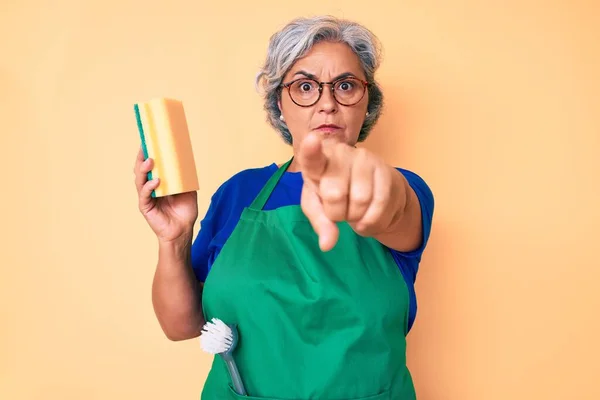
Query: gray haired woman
{"type": "Point", "coordinates": [313, 259]}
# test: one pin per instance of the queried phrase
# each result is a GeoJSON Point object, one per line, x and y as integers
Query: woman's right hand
{"type": "Point", "coordinates": [171, 217]}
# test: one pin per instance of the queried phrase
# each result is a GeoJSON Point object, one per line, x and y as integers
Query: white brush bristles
{"type": "Point", "coordinates": [216, 337]}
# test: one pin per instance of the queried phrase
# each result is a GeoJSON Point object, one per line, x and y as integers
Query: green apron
{"type": "Point", "coordinates": [312, 324]}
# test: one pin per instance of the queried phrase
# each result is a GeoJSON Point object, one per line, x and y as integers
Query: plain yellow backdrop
{"type": "Point", "coordinates": [495, 104]}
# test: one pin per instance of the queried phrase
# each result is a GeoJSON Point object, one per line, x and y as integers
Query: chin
{"type": "Point", "coordinates": [332, 135]}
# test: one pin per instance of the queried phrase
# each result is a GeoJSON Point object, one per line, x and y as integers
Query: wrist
{"type": "Point", "coordinates": [179, 246]}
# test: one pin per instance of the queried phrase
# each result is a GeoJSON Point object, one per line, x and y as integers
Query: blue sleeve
{"type": "Point", "coordinates": [411, 259]}
{"type": "Point", "coordinates": [201, 247]}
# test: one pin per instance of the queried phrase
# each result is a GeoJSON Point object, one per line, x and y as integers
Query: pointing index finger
{"type": "Point", "coordinates": [326, 230]}
{"type": "Point", "coordinates": [311, 158]}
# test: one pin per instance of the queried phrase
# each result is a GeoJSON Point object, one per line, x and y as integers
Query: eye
{"type": "Point", "coordinates": [345, 85]}
{"type": "Point", "coordinates": [305, 86]}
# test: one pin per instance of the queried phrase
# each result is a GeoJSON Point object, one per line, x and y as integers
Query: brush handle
{"type": "Point", "coordinates": [235, 375]}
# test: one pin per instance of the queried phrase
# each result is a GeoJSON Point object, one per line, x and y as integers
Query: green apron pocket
{"type": "Point", "coordinates": [386, 395]}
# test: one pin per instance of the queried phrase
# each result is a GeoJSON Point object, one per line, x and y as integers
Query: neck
{"type": "Point", "coordinates": [294, 167]}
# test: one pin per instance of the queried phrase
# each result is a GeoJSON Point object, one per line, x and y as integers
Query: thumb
{"type": "Point", "coordinates": [326, 229]}
{"type": "Point", "coordinates": [311, 158]}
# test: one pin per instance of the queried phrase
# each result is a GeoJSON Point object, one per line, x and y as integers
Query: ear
{"type": "Point", "coordinates": [279, 105]}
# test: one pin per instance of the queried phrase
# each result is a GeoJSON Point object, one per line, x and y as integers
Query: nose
{"type": "Point", "coordinates": [327, 103]}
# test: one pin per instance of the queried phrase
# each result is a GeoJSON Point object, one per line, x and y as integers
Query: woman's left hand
{"type": "Point", "coordinates": [343, 183]}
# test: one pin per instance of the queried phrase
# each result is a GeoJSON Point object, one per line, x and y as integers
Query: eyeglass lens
{"type": "Point", "coordinates": [346, 91]}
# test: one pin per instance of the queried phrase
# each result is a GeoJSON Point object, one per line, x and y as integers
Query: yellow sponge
{"type": "Point", "coordinates": [165, 138]}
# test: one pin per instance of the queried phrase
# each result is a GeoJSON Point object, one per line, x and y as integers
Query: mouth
{"type": "Point", "coordinates": [328, 128]}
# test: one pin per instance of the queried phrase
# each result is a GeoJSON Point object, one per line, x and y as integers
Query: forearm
{"type": "Point", "coordinates": [405, 230]}
{"type": "Point", "coordinates": [176, 294]}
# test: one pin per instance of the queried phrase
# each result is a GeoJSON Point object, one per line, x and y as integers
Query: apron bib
{"type": "Point", "coordinates": [312, 324]}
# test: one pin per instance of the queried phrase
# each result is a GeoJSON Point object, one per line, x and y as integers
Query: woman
{"type": "Point", "coordinates": [313, 259]}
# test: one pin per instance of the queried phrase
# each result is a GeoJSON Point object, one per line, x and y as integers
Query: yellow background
{"type": "Point", "coordinates": [495, 104]}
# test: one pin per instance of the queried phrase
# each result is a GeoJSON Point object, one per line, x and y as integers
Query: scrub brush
{"type": "Point", "coordinates": [220, 338]}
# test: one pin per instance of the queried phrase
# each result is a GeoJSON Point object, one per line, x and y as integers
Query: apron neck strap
{"type": "Point", "coordinates": [260, 200]}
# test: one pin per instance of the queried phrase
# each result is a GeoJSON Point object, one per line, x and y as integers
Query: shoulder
{"type": "Point", "coordinates": [263, 172]}
{"type": "Point", "coordinates": [243, 184]}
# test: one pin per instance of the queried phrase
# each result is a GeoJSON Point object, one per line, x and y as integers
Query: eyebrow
{"type": "Point", "coordinates": [312, 76]}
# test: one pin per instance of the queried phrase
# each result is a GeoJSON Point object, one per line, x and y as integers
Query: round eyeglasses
{"type": "Point", "coordinates": [306, 92]}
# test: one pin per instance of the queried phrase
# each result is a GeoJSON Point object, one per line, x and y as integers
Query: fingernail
{"type": "Point", "coordinates": [323, 241]}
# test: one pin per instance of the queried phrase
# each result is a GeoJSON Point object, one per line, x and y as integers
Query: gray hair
{"type": "Point", "coordinates": [295, 40]}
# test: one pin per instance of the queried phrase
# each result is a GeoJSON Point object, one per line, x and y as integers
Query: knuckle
{"type": "Point", "coordinates": [334, 193]}
{"type": "Point", "coordinates": [335, 213]}
{"type": "Point", "coordinates": [145, 192]}
{"type": "Point", "coordinates": [355, 213]}
{"type": "Point", "coordinates": [368, 223]}
{"type": "Point", "coordinates": [378, 204]}
{"type": "Point", "coordinates": [369, 220]}
{"type": "Point", "coordinates": [144, 166]}
{"type": "Point", "coordinates": [361, 196]}
{"type": "Point", "coordinates": [363, 227]}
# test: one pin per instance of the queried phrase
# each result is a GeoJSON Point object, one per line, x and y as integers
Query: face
{"type": "Point", "coordinates": [326, 62]}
